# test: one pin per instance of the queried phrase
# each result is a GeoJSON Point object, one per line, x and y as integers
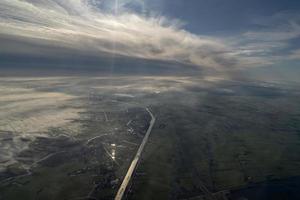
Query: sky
{"type": "Point", "coordinates": [214, 35]}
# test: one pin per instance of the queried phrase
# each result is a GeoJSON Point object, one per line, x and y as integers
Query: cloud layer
{"type": "Point", "coordinates": [51, 28]}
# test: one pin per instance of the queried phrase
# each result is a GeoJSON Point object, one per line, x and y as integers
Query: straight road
{"type": "Point", "coordinates": [136, 160]}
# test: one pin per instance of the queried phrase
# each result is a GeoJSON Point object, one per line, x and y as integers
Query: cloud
{"type": "Point", "coordinates": [295, 55]}
{"type": "Point", "coordinates": [77, 25]}
{"type": "Point", "coordinates": [91, 28]}
{"type": "Point", "coordinates": [269, 44]}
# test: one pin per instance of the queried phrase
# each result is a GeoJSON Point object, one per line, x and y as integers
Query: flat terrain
{"type": "Point", "coordinates": [223, 139]}
{"type": "Point", "coordinates": [75, 137]}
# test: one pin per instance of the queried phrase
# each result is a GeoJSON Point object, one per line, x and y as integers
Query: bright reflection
{"type": "Point", "coordinates": [113, 152]}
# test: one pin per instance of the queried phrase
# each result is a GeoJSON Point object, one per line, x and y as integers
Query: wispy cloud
{"type": "Point", "coordinates": [271, 42]}
{"type": "Point", "coordinates": [295, 55]}
{"type": "Point", "coordinates": [85, 26]}
{"type": "Point", "coordinates": [75, 25]}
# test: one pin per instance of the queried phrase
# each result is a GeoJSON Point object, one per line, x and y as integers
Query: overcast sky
{"type": "Point", "coordinates": [205, 34]}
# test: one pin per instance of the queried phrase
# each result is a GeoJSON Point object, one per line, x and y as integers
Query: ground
{"type": "Point", "coordinates": [74, 137]}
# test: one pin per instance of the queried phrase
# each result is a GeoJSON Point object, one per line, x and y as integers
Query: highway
{"type": "Point", "coordinates": [136, 160]}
